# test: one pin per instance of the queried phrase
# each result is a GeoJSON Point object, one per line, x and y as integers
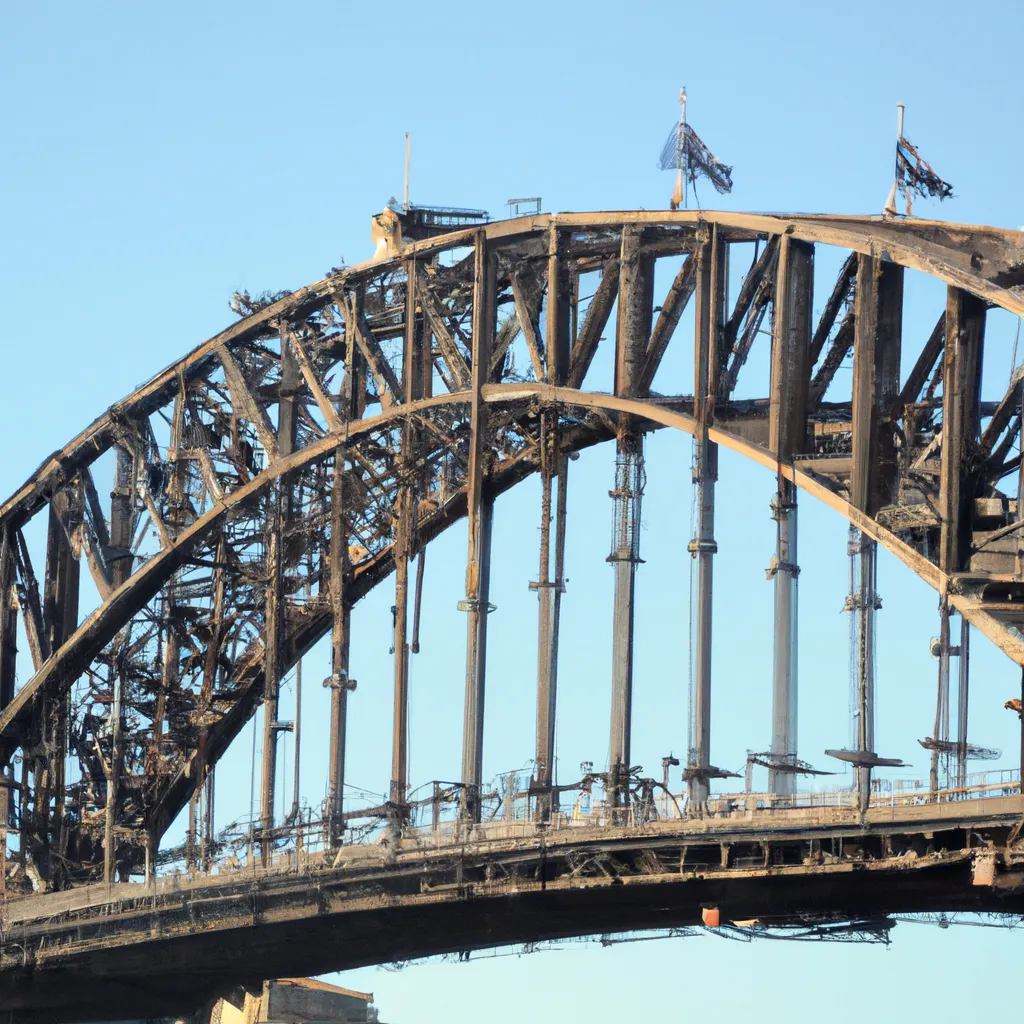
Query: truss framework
{"type": "Point", "coordinates": [268, 480]}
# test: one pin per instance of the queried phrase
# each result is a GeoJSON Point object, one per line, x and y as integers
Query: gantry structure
{"type": "Point", "coordinates": [268, 480]}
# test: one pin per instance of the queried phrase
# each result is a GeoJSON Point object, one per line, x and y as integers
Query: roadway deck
{"type": "Point", "coordinates": [159, 950]}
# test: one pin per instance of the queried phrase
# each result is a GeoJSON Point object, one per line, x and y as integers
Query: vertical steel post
{"type": "Point", "coordinates": [961, 414]}
{"type": "Point", "coordinates": [297, 746]}
{"type": "Point", "coordinates": [480, 504]}
{"type": "Point", "coordinates": [867, 605]}
{"type": "Point", "coordinates": [122, 519]}
{"type": "Point", "coordinates": [60, 616]}
{"type": "Point", "coordinates": [122, 529]}
{"type": "Point", "coordinates": [878, 330]}
{"type": "Point", "coordinates": [403, 545]}
{"type": "Point", "coordinates": [554, 471]}
{"type": "Point", "coordinates": [400, 718]}
{"type": "Point", "coordinates": [624, 556]}
{"type": "Point", "coordinates": [271, 680]}
{"type": "Point", "coordinates": [963, 692]}
{"type": "Point", "coordinates": [209, 823]}
{"type": "Point", "coordinates": [790, 373]}
{"type": "Point", "coordinates": [712, 274]}
{"type": "Point", "coordinates": [961, 424]}
{"type": "Point", "coordinates": [8, 664]}
{"type": "Point", "coordinates": [546, 663]}
{"type": "Point", "coordinates": [785, 688]}
{"type": "Point", "coordinates": [279, 513]}
{"type": "Point", "coordinates": [8, 617]}
{"type": "Point", "coordinates": [941, 731]}
{"type": "Point", "coordinates": [340, 633]}
{"type": "Point", "coordinates": [632, 333]}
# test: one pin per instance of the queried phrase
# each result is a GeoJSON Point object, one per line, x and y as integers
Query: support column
{"type": "Point", "coordinates": [961, 401]}
{"type": "Point", "coordinates": [867, 605]}
{"type": "Point", "coordinates": [961, 424]}
{"type": "Point", "coordinates": [8, 617]}
{"type": "Point", "coordinates": [271, 682]}
{"type": "Point", "coordinates": [400, 715]}
{"type": "Point", "coordinates": [963, 693]}
{"type": "Point", "coordinates": [340, 632]}
{"type": "Point", "coordinates": [873, 481]}
{"type": "Point", "coordinates": [413, 362]}
{"type": "Point", "coordinates": [941, 731]}
{"type": "Point", "coordinates": [8, 664]}
{"type": "Point", "coordinates": [712, 275]}
{"type": "Point", "coordinates": [60, 615]}
{"type": "Point", "coordinates": [554, 470]}
{"type": "Point", "coordinates": [279, 515]}
{"type": "Point", "coordinates": [208, 831]}
{"type": "Point", "coordinates": [790, 373]}
{"type": "Point", "coordinates": [632, 333]}
{"type": "Point", "coordinates": [122, 519]}
{"type": "Point", "coordinates": [550, 588]}
{"type": "Point", "coordinates": [480, 504]}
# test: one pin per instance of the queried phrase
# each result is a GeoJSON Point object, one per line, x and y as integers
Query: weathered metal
{"type": "Point", "coordinates": [411, 391]}
{"type": "Point", "coordinates": [787, 437]}
{"type": "Point", "coordinates": [104, 951]}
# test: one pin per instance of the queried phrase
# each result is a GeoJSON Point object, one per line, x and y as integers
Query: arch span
{"type": "Point", "coordinates": [267, 480]}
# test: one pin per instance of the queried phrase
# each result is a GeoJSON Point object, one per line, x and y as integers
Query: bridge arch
{"type": "Point", "coordinates": [239, 490]}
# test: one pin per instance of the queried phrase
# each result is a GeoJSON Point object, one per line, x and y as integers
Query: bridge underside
{"type": "Point", "coordinates": [120, 950]}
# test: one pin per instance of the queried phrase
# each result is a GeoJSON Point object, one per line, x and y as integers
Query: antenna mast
{"type": "Point", "coordinates": [679, 196]}
{"type": "Point", "coordinates": [890, 203]}
{"type": "Point", "coordinates": [405, 201]}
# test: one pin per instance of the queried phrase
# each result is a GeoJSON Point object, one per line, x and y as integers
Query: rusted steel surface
{"type": "Point", "coordinates": [106, 951]}
{"type": "Point", "coordinates": [391, 398]}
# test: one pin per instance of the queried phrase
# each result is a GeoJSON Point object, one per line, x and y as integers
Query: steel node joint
{"type": "Point", "coordinates": [472, 604]}
{"type": "Point", "coordinates": [775, 567]}
{"type": "Point", "coordinates": [339, 681]}
{"type": "Point", "coordinates": [624, 556]}
{"type": "Point", "coordinates": [702, 546]}
{"type": "Point", "coordinates": [781, 507]}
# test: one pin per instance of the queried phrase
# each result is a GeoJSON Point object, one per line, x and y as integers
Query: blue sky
{"type": "Point", "coordinates": [156, 158]}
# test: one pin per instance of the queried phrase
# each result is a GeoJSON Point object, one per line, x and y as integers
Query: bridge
{"type": "Point", "coordinates": [270, 479]}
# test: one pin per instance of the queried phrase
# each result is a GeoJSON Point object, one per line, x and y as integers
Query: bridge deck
{"type": "Point", "coordinates": [477, 886]}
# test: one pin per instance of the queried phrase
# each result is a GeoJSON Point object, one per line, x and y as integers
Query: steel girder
{"type": "Point", "coordinates": [431, 381]}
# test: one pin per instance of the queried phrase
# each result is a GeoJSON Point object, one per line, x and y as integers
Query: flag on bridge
{"type": "Point", "coordinates": [913, 174]}
{"type": "Point", "coordinates": [686, 154]}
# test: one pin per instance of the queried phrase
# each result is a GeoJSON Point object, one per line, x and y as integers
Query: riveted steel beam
{"type": "Point", "coordinates": [712, 282]}
{"type": "Point", "coordinates": [480, 506]}
{"type": "Point", "coordinates": [787, 430]}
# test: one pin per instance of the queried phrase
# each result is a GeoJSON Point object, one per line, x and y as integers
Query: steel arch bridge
{"type": "Point", "coordinates": [268, 480]}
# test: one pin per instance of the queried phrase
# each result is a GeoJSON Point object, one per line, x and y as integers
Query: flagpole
{"type": "Point", "coordinates": [890, 203]}
{"type": "Point", "coordinates": [899, 139]}
{"type": "Point", "coordinates": [682, 144]}
{"type": "Point", "coordinates": [677, 195]}
{"type": "Point", "coordinates": [405, 203]}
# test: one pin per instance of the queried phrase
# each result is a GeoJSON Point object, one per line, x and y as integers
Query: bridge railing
{"type": "Point", "coordinates": [512, 811]}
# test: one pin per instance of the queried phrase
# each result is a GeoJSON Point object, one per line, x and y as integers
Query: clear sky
{"type": "Point", "coordinates": [155, 158]}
